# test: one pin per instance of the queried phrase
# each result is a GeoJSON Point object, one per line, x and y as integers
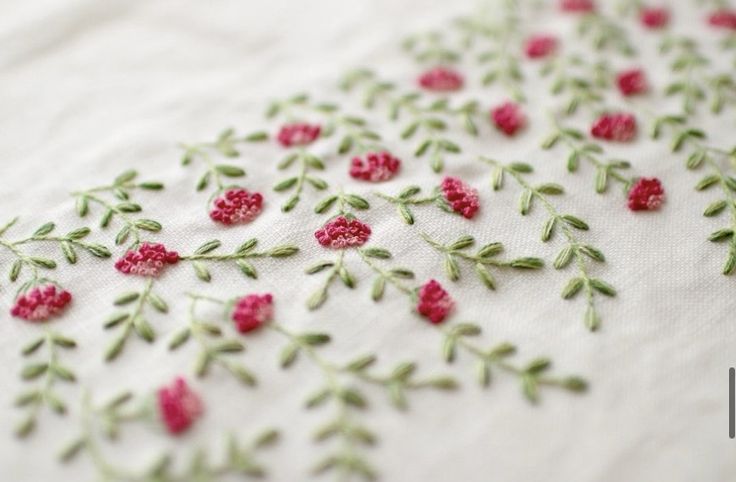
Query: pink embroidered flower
{"type": "Point", "coordinates": [632, 82]}
{"type": "Point", "coordinates": [434, 302]}
{"type": "Point", "coordinates": [618, 127]}
{"type": "Point", "coordinates": [540, 46]}
{"type": "Point", "coordinates": [299, 134]}
{"type": "Point", "coordinates": [441, 79]}
{"type": "Point", "coordinates": [148, 260]}
{"type": "Point", "coordinates": [237, 206]}
{"type": "Point", "coordinates": [178, 406]}
{"type": "Point", "coordinates": [508, 118]}
{"type": "Point", "coordinates": [462, 198]}
{"type": "Point", "coordinates": [646, 195]}
{"type": "Point", "coordinates": [343, 233]}
{"type": "Point", "coordinates": [577, 6]}
{"type": "Point", "coordinates": [723, 19]}
{"type": "Point", "coordinates": [654, 17]}
{"type": "Point", "coordinates": [252, 312]}
{"type": "Point", "coordinates": [376, 167]}
{"type": "Point", "coordinates": [41, 303]}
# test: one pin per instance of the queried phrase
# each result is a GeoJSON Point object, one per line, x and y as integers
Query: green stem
{"type": "Point", "coordinates": [385, 274]}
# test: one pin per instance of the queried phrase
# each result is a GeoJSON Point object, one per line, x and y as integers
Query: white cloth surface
{"type": "Point", "coordinates": [92, 88]}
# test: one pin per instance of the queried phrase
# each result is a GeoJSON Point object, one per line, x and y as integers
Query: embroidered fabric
{"type": "Point", "coordinates": [102, 87]}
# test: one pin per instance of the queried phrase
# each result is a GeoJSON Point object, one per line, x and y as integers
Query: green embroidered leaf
{"type": "Point", "coordinates": [44, 230]}
{"type": "Point", "coordinates": [321, 266]}
{"type": "Point", "coordinates": [602, 287]}
{"type": "Point", "coordinates": [33, 346]}
{"type": "Point", "coordinates": [246, 268]}
{"type": "Point", "coordinates": [325, 204]}
{"type": "Point", "coordinates": [572, 288]}
{"type": "Point", "coordinates": [208, 246]}
{"type": "Point", "coordinates": [283, 251]}
{"type": "Point", "coordinates": [548, 229]}
{"type": "Point", "coordinates": [148, 225]}
{"type": "Point", "coordinates": [564, 257]}
{"type": "Point", "coordinates": [229, 170]}
{"type": "Point", "coordinates": [592, 321]}
{"type": "Point", "coordinates": [721, 235]}
{"type": "Point", "coordinates": [485, 276]}
{"type": "Point", "coordinates": [180, 338]}
{"type": "Point", "coordinates": [379, 286]}
{"type": "Point", "coordinates": [15, 270]}
{"type": "Point", "coordinates": [158, 303]}
{"type": "Point", "coordinates": [126, 298]}
{"type": "Point", "coordinates": [575, 222]}
{"type": "Point", "coordinates": [378, 253]}
{"type": "Point", "coordinates": [405, 214]}
{"type": "Point", "coordinates": [201, 271]}
{"type": "Point", "coordinates": [288, 355]}
{"type": "Point", "coordinates": [462, 242]}
{"type": "Point", "coordinates": [451, 268]}
{"type": "Point", "coordinates": [592, 253]}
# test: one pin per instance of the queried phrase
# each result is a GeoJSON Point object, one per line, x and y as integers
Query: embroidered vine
{"type": "Point", "coordinates": [50, 371]}
{"type": "Point", "coordinates": [581, 149]}
{"type": "Point", "coordinates": [565, 224]}
{"type": "Point", "coordinates": [242, 257]}
{"type": "Point", "coordinates": [121, 207]}
{"type": "Point", "coordinates": [430, 120]}
{"type": "Point", "coordinates": [105, 422]}
{"type": "Point", "coordinates": [30, 265]}
{"type": "Point", "coordinates": [712, 158]}
{"type": "Point", "coordinates": [481, 261]}
{"type": "Point", "coordinates": [204, 332]}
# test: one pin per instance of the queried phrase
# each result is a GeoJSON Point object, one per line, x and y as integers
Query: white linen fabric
{"type": "Point", "coordinates": [92, 88]}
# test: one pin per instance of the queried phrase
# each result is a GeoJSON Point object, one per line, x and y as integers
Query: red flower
{"type": "Point", "coordinates": [508, 118]}
{"type": "Point", "coordinates": [723, 19]}
{"type": "Point", "coordinates": [632, 82]}
{"type": "Point", "coordinates": [462, 198]}
{"type": "Point", "coordinates": [615, 127]}
{"type": "Point", "coordinates": [434, 302]}
{"type": "Point", "coordinates": [342, 233]}
{"type": "Point", "coordinates": [252, 311]}
{"type": "Point", "coordinates": [41, 303]}
{"type": "Point", "coordinates": [377, 166]}
{"type": "Point", "coordinates": [441, 79]}
{"type": "Point", "coordinates": [148, 260]}
{"type": "Point", "coordinates": [540, 46]}
{"type": "Point", "coordinates": [654, 17]}
{"type": "Point", "coordinates": [237, 206]}
{"type": "Point", "coordinates": [576, 6]}
{"type": "Point", "coordinates": [299, 134]}
{"type": "Point", "coordinates": [178, 406]}
{"type": "Point", "coordinates": [646, 195]}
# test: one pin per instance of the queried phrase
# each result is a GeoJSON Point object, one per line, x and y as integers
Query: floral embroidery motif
{"type": "Point", "coordinates": [615, 127]}
{"type": "Point", "coordinates": [632, 82]}
{"type": "Point", "coordinates": [434, 303]}
{"type": "Point", "coordinates": [725, 19]}
{"type": "Point", "coordinates": [252, 311]}
{"type": "Point", "coordinates": [41, 303]}
{"type": "Point", "coordinates": [375, 167]}
{"type": "Point", "coordinates": [441, 79]}
{"type": "Point", "coordinates": [300, 134]}
{"type": "Point", "coordinates": [577, 6]}
{"type": "Point", "coordinates": [149, 260]}
{"type": "Point", "coordinates": [540, 46]}
{"type": "Point", "coordinates": [647, 194]}
{"type": "Point", "coordinates": [179, 406]}
{"type": "Point", "coordinates": [342, 233]}
{"type": "Point", "coordinates": [462, 198]}
{"type": "Point", "coordinates": [654, 17]}
{"type": "Point", "coordinates": [508, 118]}
{"type": "Point", "coordinates": [236, 206]}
